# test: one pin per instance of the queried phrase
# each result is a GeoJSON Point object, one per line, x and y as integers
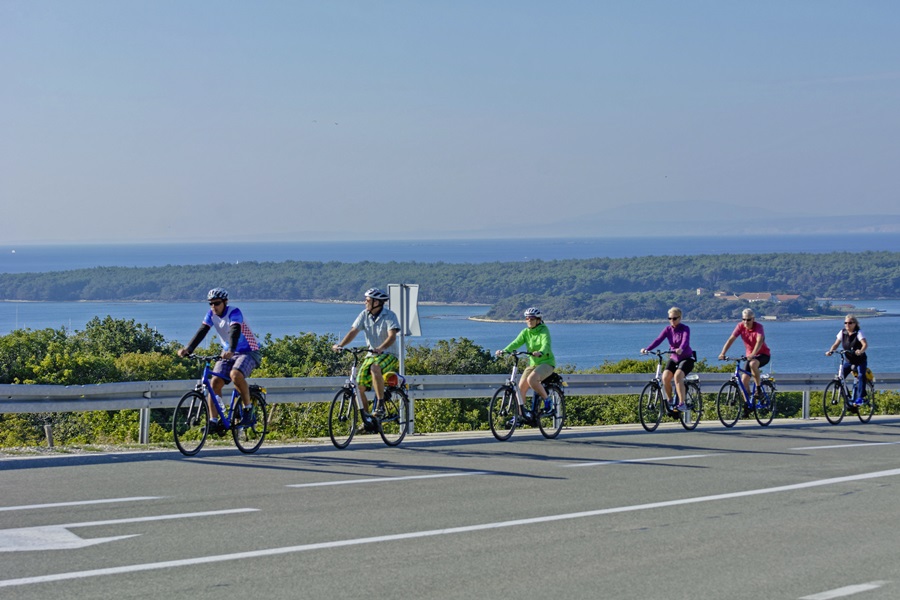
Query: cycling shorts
{"type": "Point", "coordinates": [763, 360]}
{"type": "Point", "coordinates": [685, 366]}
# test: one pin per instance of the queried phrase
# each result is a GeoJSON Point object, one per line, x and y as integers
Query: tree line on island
{"type": "Point", "coordinates": [575, 289]}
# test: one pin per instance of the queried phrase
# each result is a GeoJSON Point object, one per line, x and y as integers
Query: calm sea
{"type": "Point", "coordinates": [27, 259]}
{"type": "Point", "coordinates": [797, 347]}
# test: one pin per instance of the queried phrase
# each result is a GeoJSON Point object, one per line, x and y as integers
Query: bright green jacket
{"type": "Point", "coordinates": [535, 340]}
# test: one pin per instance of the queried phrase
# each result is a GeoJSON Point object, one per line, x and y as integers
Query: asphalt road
{"type": "Point", "coordinates": [796, 510]}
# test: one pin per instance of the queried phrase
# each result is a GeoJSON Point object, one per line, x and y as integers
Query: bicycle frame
{"type": "Point", "coordinates": [736, 377]}
{"type": "Point", "coordinates": [206, 385]}
{"type": "Point", "coordinates": [840, 378]}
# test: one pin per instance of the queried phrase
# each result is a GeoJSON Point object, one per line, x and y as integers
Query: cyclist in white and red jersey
{"type": "Point", "coordinates": [241, 354]}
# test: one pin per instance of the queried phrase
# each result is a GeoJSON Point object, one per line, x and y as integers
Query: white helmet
{"type": "Point", "coordinates": [376, 294]}
{"type": "Point", "coordinates": [533, 312]}
{"type": "Point", "coordinates": [217, 294]}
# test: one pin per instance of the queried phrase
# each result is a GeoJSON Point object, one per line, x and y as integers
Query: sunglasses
{"type": "Point", "coordinates": [747, 320]}
{"type": "Point", "coordinates": [850, 323]}
{"type": "Point", "coordinates": [674, 318]}
{"type": "Point", "coordinates": [215, 303]}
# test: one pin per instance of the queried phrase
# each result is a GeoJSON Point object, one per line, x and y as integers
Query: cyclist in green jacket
{"type": "Point", "coordinates": [541, 363]}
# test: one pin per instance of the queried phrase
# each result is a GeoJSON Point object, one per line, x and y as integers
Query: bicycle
{"type": "Point", "coordinates": [837, 399]}
{"type": "Point", "coordinates": [343, 415]}
{"type": "Point", "coordinates": [191, 425]}
{"type": "Point", "coordinates": [503, 409]}
{"type": "Point", "coordinates": [653, 406]}
{"type": "Point", "coordinates": [734, 399]}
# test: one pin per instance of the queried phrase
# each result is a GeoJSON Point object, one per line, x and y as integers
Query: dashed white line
{"type": "Point", "coordinates": [433, 532]}
{"type": "Point", "coordinates": [846, 591]}
{"type": "Point", "coordinates": [640, 460]}
{"type": "Point", "coordinates": [861, 445]}
{"type": "Point", "coordinates": [79, 503]}
{"type": "Point", "coordinates": [385, 479]}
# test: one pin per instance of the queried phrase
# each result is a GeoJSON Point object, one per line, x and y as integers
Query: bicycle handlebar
{"type": "Point", "coordinates": [733, 359]}
{"type": "Point", "coordinates": [201, 358]}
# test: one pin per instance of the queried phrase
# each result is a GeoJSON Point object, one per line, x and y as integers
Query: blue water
{"type": "Point", "coordinates": [27, 259]}
{"type": "Point", "coordinates": [797, 346]}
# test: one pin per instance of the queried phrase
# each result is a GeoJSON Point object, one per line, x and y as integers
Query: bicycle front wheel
{"type": "Point", "coordinates": [551, 421]}
{"type": "Point", "coordinates": [342, 418]}
{"type": "Point", "coordinates": [834, 404]}
{"type": "Point", "coordinates": [867, 409]}
{"type": "Point", "coordinates": [764, 406]}
{"type": "Point", "coordinates": [691, 417]}
{"type": "Point", "coordinates": [729, 404]}
{"type": "Point", "coordinates": [189, 423]}
{"type": "Point", "coordinates": [249, 436]}
{"type": "Point", "coordinates": [395, 422]}
{"type": "Point", "coordinates": [651, 406]}
{"type": "Point", "coordinates": [502, 413]}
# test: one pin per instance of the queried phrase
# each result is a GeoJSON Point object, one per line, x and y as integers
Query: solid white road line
{"type": "Point", "coordinates": [434, 532]}
{"type": "Point", "coordinates": [846, 591]}
{"type": "Point", "coordinates": [385, 479]}
{"type": "Point", "coordinates": [80, 503]}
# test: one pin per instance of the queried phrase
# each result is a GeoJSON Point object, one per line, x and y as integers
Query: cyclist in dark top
{"type": "Point", "coordinates": [241, 354]}
{"type": "Point", "coordinates": [681, 359]}
{"type": "Point", "coordinates": [854, 343]}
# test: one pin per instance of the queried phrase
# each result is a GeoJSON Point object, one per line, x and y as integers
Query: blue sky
{"type": "Point", "coordinates": [237, 121]}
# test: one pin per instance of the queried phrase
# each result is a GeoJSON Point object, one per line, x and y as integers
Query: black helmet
{"type": "Point", "coordinates": [376, 294]}
{"type": "Point", "coordinates": [217, 294]}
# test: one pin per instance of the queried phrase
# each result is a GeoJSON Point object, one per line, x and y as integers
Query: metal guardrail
{"type": "Point", "coordinates": [165, 394]}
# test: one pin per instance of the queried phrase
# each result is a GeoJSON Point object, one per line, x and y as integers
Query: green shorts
{"type": "Point", "coordinates": [387, 362]}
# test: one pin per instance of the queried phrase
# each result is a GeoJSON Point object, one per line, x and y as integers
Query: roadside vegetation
{"type": "Point", "coordinates": [110, 350]}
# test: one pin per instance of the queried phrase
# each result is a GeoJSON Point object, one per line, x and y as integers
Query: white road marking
{"type": "Point", "coordinates": [80, 503]}
{"type": "Point", "coordinates": [58, 537]}
{"type": "Point", "coordinates": [846, 591]}
{"type": "Point", "coordinates": [433, 532]}
{"type": "Point", "coordinates": [385, 479]}
{"type": "Point", "coordinates": [862, 445]}
{"type": "Point", "coordinates": [640, 460]}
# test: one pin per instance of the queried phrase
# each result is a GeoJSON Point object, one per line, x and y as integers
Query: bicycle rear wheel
{"type": "Point", "coordinates": [342, 418]}
{"type": "Point", "coordinates": [867, 409]}
{"type": "Point", "coordinates": [551, 422]}
{"type": "Point", "coordinates": [248, 437]}
{"type": "Point", "coordinates": [834, 404]}
{"type": "Point", "coordinates": [694, 402]}
{"type": "Point", "coordinates": [395, 422]}
{"type": "Point", "coordinates": [651, 406]}
{"type": "Point", "coordinates": [764, 407]}
{"type": "Point", "coordinates": [729, 404]}
{"type": "Point", "coordinates": [189, 423]}
{"type": "Point", "coordinates": [502, 413]}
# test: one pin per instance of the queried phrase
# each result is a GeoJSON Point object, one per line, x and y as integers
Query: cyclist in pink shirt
{"type": "Point", "coordinates": [754, 338]}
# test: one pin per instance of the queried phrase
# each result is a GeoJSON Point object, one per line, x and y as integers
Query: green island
{"type": "Point", "coordinates": [711, 287]}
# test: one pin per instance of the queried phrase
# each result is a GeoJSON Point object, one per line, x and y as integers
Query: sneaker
{"type": "Point", "coordinates": [248, 416]}
{"type": "Point", "coordinates": [216, 428]}
{"type": "Point", "coordinates": [859, 402]}
{"type": "Point", "coordinates": [379, 408]}
{"type": "Point", "coordinates": [548, 406]}
{"type": "Point", "coordinates": [527, 417]}
{"type": "Point", "coordinates": [682, 407]}
{"type": "Point", "coordinates": [370, 425]}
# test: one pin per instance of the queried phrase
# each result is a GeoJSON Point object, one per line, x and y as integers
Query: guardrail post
{"type": "Point", "coordinates": [144, 434]}
{"type": "Point", "coordinates": [805, 411]}
{"type": "Point", "coordinates": [48, 432]}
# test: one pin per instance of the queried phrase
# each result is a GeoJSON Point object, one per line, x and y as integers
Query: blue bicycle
{"type": "Point", "coordinates": [735, 401]}
{"type": "Point", "coordinates": [191, 426]}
